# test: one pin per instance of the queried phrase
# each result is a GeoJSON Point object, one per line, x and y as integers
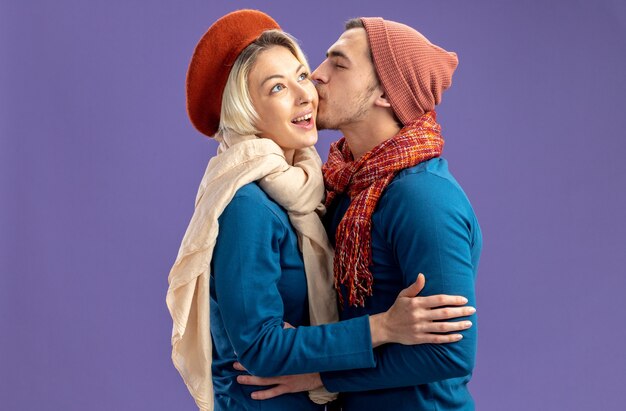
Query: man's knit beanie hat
{"type": "Point", "coordinates": [413, 71]}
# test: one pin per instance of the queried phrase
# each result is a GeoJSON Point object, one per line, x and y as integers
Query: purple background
{"type": "Point", "coordinates": [99, 167]}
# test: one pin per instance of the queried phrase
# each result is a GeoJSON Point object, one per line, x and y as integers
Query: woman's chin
{"type": "Point", "coordinates": [311, 138]}
{"type": "Point", "coordinates": [292, 141]}
{"type": "Point", "coordinates": [304, 140]}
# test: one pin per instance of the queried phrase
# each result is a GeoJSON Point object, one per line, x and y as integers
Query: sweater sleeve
{"type": "Point", "coordinates": [246, 264]}
{"type": "Point", "coordinates": [427, 223]}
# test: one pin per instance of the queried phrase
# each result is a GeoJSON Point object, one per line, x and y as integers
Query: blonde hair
{"type": "Point", "coordinates": [238, 114]}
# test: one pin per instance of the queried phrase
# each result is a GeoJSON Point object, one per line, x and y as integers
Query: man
{"type": "Point", "coordinates": [394, 210]}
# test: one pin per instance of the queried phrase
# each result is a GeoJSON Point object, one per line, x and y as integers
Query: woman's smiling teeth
{"type": "Point", "coordinates": [304, 118]}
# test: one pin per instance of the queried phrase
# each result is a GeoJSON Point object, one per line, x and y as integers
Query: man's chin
{"type": "Point", "coordinates": [322, 124]}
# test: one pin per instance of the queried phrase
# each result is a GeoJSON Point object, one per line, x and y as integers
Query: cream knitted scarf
{"type": "Point", "coordinates": [300, 190]}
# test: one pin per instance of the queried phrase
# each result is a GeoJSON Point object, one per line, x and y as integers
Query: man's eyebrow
{"type": "Point", "coordinates": [300, 67]}
{"type": "Point", "coordinates": [337, 53]}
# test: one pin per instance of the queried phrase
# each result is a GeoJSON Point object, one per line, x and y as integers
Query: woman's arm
{"type": "Point", "coordinates": [246, 269]}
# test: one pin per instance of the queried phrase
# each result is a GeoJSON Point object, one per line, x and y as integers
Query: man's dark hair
{"type": "Point", "coordinates": [354, 24]}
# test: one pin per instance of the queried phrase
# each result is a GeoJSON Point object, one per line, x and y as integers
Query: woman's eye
{"type": "Point", "coordinates": [303, 76]}
{"type": "Point", "coordinates": [277, 88]}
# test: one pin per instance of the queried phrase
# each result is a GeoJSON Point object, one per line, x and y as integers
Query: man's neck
{"type": "Point", "coordinates": [364, 136]}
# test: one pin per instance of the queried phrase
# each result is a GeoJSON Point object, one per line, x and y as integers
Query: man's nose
{"type": "Point", "coordinates": [318, 74]}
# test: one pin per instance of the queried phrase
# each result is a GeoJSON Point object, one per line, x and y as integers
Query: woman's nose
{"type": "Point", "coordinates": [305, 94]}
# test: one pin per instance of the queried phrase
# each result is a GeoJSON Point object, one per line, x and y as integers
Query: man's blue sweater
{"type": "Point", "coordinates": [423, 223]}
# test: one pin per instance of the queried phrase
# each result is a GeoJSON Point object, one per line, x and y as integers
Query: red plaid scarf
{"type": "Point", "coordinates": [364, 181]}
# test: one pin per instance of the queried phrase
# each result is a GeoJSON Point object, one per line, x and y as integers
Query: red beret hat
{"type": "Point", "coordinates": [212, 61]}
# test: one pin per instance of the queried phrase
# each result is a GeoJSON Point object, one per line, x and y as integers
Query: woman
{"type": "Point", "coordinates": [255, 258]}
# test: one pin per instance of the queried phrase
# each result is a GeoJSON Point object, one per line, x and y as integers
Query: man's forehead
{"type": "Point", "coordinates": [351, 43]}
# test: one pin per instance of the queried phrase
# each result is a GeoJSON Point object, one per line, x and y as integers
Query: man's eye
{"type": "Point", "coordinates": [339, 66]}
{"type": "Point", "coordinates": [277, 88]}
